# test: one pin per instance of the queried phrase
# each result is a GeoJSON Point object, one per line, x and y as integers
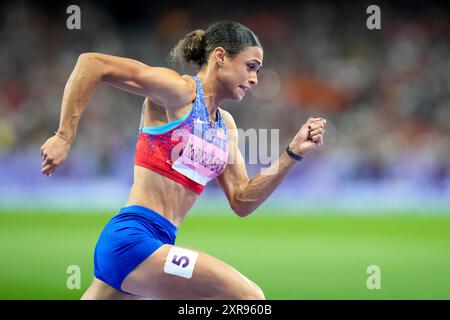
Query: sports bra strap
{"type": "Point", "coordinates": [141, 121]}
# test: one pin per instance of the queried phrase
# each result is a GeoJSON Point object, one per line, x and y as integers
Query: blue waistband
{"type": "Point", "coordinates": [158, 218]}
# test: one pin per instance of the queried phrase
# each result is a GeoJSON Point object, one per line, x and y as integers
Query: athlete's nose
{"type": "Point", "coordinates": [254, 81]}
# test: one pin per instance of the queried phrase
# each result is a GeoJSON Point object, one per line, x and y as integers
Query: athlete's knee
{"type": "Point", "coordinates": [259, 293]}
{"type": "Point", "coordinates": [247, 291]}
{"type": "Point", "coordinates": [249, 294]}
{"type": "Point", "coordinates": [255, 293]}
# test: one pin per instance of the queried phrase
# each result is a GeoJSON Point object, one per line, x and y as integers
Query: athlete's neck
{"type": "Point", "coordinates": [212, 95]}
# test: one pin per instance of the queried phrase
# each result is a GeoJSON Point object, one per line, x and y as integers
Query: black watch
{"type": "Point", "coordinates": [292, 154]}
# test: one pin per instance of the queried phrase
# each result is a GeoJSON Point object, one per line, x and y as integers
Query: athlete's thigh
{"type": "Point", "coordinates": [211, 278]}
{"type": "Point", "coordinates": [99, 290]}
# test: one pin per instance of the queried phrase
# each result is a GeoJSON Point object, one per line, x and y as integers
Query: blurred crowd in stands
{"type": "Point", "coordinates": [385, 93]}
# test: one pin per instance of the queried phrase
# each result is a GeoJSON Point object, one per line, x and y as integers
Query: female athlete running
{"type": "Point", "coordinates": [185, 140]}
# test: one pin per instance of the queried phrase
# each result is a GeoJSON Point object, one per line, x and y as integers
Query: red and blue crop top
{"type": "Point", "coordinates": [191, 151]}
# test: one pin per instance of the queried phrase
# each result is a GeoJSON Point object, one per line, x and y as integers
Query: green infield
{"type": "Point", "coordinates": [290, 256]}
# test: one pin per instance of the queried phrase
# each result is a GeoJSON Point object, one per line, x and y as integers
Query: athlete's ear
{"type": "Point", "coordinates": [219, 56]}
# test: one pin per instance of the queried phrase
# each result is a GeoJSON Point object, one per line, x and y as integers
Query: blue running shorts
{"type": "Point", "coordinates": [128, 239]}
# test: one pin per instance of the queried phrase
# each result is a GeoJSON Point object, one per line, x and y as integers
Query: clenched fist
{"type": "Point", "coordinates": [309, 137]}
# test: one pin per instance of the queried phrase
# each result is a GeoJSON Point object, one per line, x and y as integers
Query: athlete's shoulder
{"type": "Point", "coordinates": [191, 85]}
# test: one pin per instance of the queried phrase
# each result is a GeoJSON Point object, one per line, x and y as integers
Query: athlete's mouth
{"type": "Point", "coordinates": [244, 88]}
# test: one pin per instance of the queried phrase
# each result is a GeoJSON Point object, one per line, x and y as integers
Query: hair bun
{"type": "Point", "coordinates": [190, 49]}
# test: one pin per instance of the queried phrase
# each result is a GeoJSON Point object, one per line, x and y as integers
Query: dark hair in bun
{"type": "Point", "coordinates": [196, 46]}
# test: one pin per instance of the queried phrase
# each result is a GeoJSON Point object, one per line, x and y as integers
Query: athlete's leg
{"type": "Point", "coordinates": [211, 279]}
{"type": "Point", "coordinates": [99, 290]}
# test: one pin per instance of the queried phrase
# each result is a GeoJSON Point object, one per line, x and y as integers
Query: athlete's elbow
{"type": "Point", "coordinates": [87, 57]}
{"type": "Point", "coordinates": [241, 209]}
{"type": "Point", "coordinates": [91, 63]}
{"type": "Point", "coordinates": [240, 212]}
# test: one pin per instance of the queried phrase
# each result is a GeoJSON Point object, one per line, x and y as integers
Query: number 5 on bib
{"type": "Point", "coordinates": [180, 262]}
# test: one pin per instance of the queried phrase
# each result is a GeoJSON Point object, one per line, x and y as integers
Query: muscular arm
{"type": "Point", "coordinates": [163, 85]}
{"type": "Point", "coordinates": [246, 195]}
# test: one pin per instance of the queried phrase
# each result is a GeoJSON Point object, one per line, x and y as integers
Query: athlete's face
{"type": "Point", "coordinates": [239, 74]}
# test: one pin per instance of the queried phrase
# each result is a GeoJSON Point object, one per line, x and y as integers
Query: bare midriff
{"type": "Point", "coordinates": [154, 191]}
{"type": "Point", "coordinates": [161, 194]}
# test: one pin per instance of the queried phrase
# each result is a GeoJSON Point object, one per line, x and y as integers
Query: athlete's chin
{"type": "Point", "coordinates": [238, 96]}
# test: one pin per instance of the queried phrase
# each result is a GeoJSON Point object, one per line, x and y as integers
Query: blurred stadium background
{"type": "Point", "coordinates": [378, 193]}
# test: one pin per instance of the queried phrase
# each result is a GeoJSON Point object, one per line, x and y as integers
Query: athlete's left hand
{"type": "Point", "coordinates": [309, 137]}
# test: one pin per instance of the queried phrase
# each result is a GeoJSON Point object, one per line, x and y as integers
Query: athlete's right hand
{"type": "Point", "coordinates": [54, 151]}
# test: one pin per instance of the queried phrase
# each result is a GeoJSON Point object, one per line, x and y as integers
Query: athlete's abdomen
{"type": "Point", "coordinates": [161, 194]}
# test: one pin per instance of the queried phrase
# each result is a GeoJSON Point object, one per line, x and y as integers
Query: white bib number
{"type": "Point", "coordinates": [180, 262]}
